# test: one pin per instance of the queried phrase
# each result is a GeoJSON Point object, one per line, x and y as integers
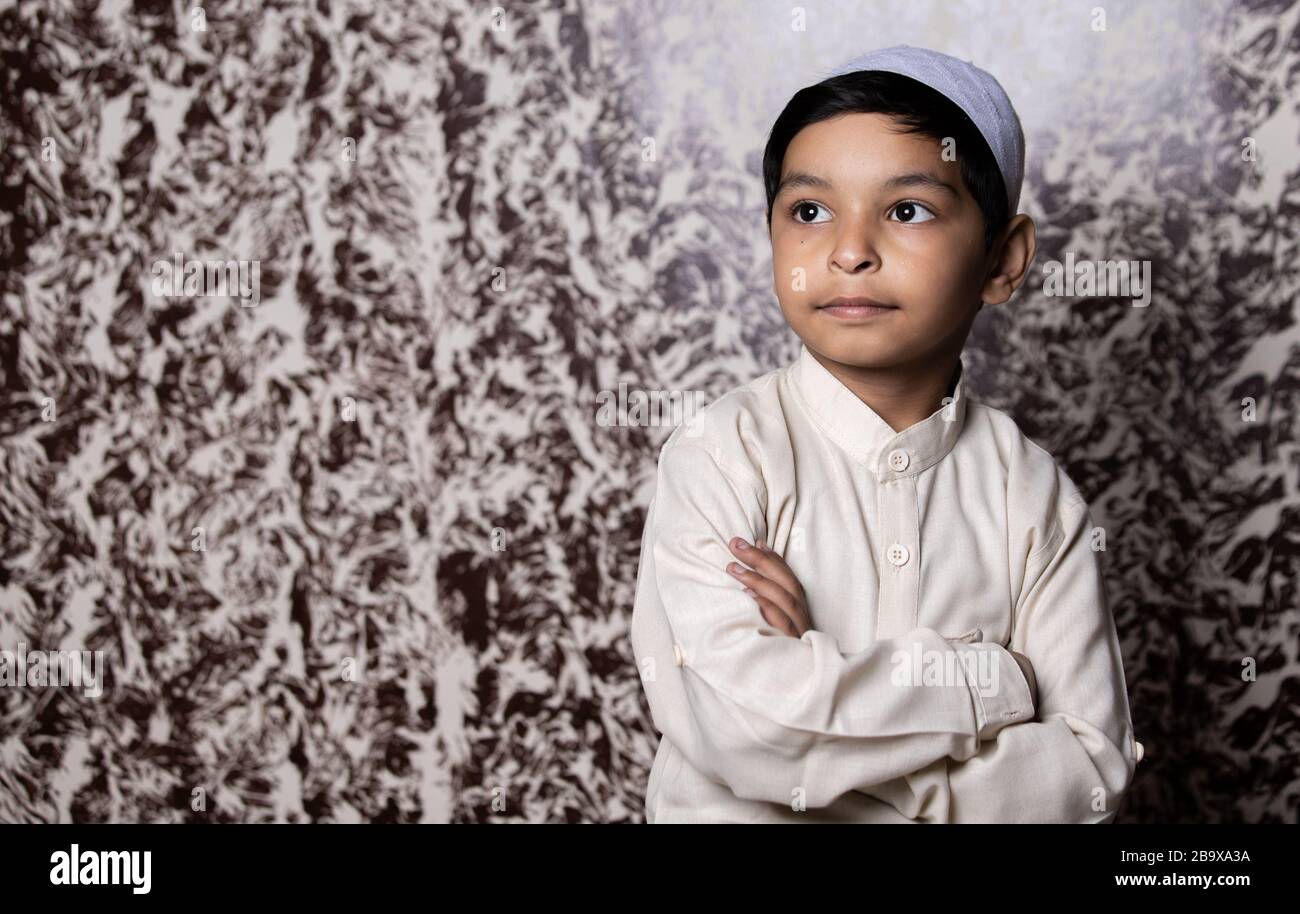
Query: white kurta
{"type": "Point", "coordinates": [926, 556]}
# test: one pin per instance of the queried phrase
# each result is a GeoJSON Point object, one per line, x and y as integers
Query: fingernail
{"type": "Point", "coordinates": [749, 590]}
{"type": "Point", "coordinates": [741, 544]}
{"type": "Point", "coordinates": [733, 569]}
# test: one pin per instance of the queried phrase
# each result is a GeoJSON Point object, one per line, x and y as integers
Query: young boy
{"type": "Point", "coordinates": [926, 638]}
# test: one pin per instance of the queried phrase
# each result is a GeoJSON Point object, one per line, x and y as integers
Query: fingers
{"type": "Point", "coordinates": [769, 590]}
{"type": "Point", "coordinates": [785, 599]}
{"type": "Point", "coordinates": [774, 616]}
{"type": "Point", "coordinates": [768, 564]}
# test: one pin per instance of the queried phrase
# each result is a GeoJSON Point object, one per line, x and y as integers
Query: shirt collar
{"type": "Point", "coordinates": [869, 439]}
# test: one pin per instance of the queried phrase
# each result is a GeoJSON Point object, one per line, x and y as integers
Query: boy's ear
{"type": "Point", "coordinates": [1012, 256]}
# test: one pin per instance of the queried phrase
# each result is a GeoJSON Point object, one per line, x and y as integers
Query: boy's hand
{"type": "Point", "coordinates": [779, 594]}
{"type": "Point", "coordinates": [1028, 669]}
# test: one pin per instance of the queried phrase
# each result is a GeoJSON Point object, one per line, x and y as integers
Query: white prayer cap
{"type": "Point", "coordinates": [973, 90]}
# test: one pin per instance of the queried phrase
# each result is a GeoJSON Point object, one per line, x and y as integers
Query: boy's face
{"type": "Point", "coordinates": [856, 236]}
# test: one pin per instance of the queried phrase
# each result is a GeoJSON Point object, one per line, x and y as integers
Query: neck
{"type": "Point", "coordinates": [902, 396]}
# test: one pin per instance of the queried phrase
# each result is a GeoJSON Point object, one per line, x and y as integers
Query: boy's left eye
{"type": "Point", "coordinates": [807, 208]}
{"type": "Point", "coordinates": [909, 209]}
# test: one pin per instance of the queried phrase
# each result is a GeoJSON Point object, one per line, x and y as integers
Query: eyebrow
{"type": "Point", "coordinates": [908, 179]}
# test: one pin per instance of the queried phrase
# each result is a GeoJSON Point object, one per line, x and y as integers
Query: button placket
{"type": "Point", "coordinates": [900, 572]}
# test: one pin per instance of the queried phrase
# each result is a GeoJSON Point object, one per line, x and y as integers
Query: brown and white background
{"type": "Point", "coordinates": [360, 550]}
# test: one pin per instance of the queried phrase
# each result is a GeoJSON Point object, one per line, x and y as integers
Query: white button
{"type": "Point", "coordinates": [898, 460]}
{"type": "Point", "coordinates": [678, 657]}
{"type": "Point", "coordinates": [898, 554]}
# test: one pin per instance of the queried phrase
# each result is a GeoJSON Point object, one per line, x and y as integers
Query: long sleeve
{"type": "Point", "coordinates": [1075, 760]}
{"type": "Point", "coordinates": [776, 718]}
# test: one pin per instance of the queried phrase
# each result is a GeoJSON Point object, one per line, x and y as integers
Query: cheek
{"type": "Point", "coordinates": [936, 271]}
{"type": "Point", "coordinates": [789, 258]}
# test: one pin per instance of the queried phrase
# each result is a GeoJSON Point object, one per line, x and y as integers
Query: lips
{"type": "Point", "coordinates": [855, 308]}
{"type": "Point", "coordinates": [857, 302]}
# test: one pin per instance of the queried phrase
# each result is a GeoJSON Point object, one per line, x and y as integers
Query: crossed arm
{"type": "Point", "coordinates": [784, 604]}
{"type": "Point", "coordinates": [1065, 768]}
{"type": "Point", "coordinates": [766, 712]}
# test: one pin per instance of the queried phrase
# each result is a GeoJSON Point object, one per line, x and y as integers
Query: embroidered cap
{"type": "Point", "coordinates": [973, 90]}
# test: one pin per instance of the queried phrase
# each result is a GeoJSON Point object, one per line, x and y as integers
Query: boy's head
{"type": "Point", "coordinates": [879, 186]}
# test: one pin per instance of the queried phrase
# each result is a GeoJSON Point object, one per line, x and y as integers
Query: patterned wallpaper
{"type": "Point", "coordinates": [312, 312]}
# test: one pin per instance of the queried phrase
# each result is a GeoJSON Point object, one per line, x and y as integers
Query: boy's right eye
{"type": "Point", "coordinates": [806, 208]}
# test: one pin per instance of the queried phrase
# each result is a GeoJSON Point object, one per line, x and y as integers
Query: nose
{"type": "Point", "coordinates": [854, 250]}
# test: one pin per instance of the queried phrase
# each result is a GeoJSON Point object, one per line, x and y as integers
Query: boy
{"type": "Point", "coordinates": [927, 638]}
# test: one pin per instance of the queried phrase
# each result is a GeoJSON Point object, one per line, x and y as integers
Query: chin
{"type": "Point", "coordinates": [860, 353]}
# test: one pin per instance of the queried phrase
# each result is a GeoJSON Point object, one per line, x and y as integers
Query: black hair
{"type": "Point", "coordinates": [918, 109]}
